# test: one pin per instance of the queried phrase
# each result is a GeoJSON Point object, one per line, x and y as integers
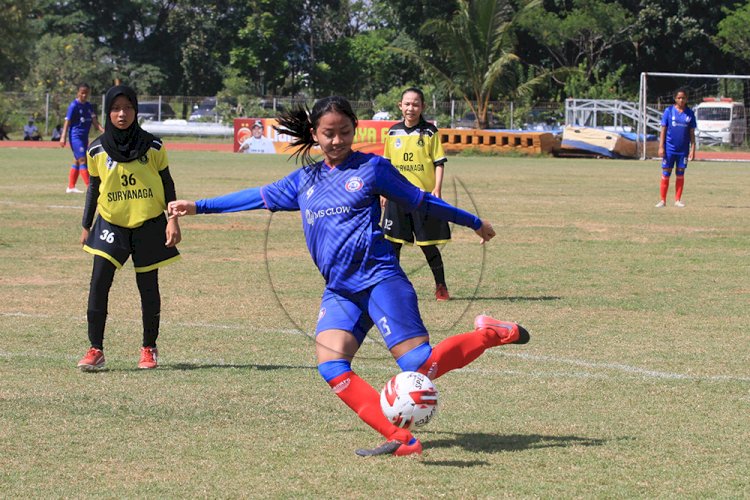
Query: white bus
{"type": "Point", "coordinates": [720, 121]}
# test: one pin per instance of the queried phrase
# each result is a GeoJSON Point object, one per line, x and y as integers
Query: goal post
{"type": "Point", "coordinates": [699, 86]}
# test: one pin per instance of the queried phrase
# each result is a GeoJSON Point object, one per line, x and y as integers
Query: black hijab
{"type": "Point", "coordinates": [124, 145]}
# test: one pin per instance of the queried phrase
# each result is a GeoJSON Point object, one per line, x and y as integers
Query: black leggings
{"type": "Point", "coordinates": [434, 259]}
{"type": "Point", "coordinates": [102, 277]}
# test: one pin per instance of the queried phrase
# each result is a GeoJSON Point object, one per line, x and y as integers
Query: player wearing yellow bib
{"type": "Point", "coordinates": [413, 146]}
{"type": "Point", "coordinates": [130, 186]}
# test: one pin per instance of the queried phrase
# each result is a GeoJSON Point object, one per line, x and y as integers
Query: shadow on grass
{"type": "Point", "coordinates": [498, 443]}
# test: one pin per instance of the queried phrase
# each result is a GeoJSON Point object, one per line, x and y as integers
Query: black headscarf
{"type": "Point", "coordinates": [129, 144]}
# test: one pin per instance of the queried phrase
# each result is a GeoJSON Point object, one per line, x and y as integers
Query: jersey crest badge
{"type": "Point", "coordinates": [111, 163]}
{"type": "Point", "coordinates": [354, 184]}
{"type": "Point", "coordinates": [397, 143]}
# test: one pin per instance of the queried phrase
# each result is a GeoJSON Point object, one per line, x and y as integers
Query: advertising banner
{"type": "Point", "coordinates": [258, 136]}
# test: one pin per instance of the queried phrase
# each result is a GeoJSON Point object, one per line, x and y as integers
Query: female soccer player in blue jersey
{"type": "Point", "coordinates": [339, 199]}
{"type": "Point", "coordinates": [676, 146]}
{"type": "Point", "coordinates": [413, 147]}
{"type": "Point", "coordinates": [78, 120]}
{"type": "Point", "coordinates": [130, 187]}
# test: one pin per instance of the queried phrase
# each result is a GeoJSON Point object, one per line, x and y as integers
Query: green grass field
{"type": "Point", "coordinates": [636, 382]}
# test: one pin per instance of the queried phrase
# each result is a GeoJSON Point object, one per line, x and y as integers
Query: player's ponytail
{"type": "Point", "coordinates": [300, 121]}
{"type": "Point", "coordinates": [296, 123]}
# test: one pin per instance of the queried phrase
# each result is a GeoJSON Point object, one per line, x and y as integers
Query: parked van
{"type": "Point", "coordinates": [720, 121]}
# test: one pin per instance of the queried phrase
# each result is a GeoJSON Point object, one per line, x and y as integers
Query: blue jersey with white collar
{"type": "Point", "coordinates": [340, 208]}
{"type": "Point", "coordinates": [678, 129]}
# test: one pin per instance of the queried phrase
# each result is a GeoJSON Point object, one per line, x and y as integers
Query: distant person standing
{"type": "Point", "coordinates": [676, 146]}
{"type": "Point", "coordinates": [78, 120]}
{"type": "Point", "coordinates": [414, 148]}
{"type": "Point", "coordinates": [257, 143]}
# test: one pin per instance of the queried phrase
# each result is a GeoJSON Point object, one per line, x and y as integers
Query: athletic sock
{"type": "Point", "coordinates": [678, 184]}
{"type": "Point", "coordinates": [73, 177]}
{"type": "Point", "coordinates": [84, 172]}
{"type": "Point", "coordinates": [365, 401]}
{"type": "Point", "coordinates": [664, 187]}
{"type": "Point", "coordinates": [457, 352]}
{"type": "Point", "coordinates": [435, 261]}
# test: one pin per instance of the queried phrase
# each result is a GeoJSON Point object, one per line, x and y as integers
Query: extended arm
{"type": "Point", "coordinates": [247, 199]}
{"type": "Point", "coordinates": [436, 207]}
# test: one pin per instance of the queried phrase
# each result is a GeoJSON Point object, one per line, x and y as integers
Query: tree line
{"type": "Point", "coordinates": [476, 50]}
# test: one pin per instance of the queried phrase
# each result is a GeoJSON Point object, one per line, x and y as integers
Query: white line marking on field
{"type": "Point", "coordinates": [34, 205]}
{"type": "Point", "coordinates": [23, 315]}
{"type": "Point", "coordinates": [533, 358]}
{"type": "Point", "coordinates": [624, 368]}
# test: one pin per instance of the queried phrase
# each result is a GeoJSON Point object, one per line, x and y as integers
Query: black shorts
{"type": "Point", "coordinates": [402, 227]}
{"type": "Point", "coordinates": [146, 243]}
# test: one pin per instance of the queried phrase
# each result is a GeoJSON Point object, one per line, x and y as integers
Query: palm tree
{"type": "Point", "coordinates": [476, 49]}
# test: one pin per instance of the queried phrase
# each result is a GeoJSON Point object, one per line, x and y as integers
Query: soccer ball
{"type": "Point", "coordinates": [409, 400]}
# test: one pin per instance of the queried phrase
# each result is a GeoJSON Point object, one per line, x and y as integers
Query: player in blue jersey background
{"type": "Point", "coordinates": [78, 120]}
{"type": "Point", "coordinates": [676, 146]}
{"type": "Point", "coordinates": [339, 200]}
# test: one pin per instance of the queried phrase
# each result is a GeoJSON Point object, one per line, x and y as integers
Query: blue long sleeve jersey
{"type": "Point", "coordinates": [340, 209]}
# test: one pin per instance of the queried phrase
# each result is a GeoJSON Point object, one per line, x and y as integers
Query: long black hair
{"type": "Point", "coordinates": [300, 121]}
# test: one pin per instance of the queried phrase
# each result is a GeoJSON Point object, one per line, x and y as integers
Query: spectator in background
{"type": "Point", "coordinates": [30, 132]}
{"type": "Point", "coordinates": [257, 142]}
{"type": "Point", "coordinates": [56, 133]}
{"type": "Point", "coordinates": [3, 133]}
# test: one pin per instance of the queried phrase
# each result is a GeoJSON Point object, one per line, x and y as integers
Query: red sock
{"type": "Point", "coordinates": [85, 175]}
{"type": "Point", "coordinates": [457, 352]}
{"type": "Point", "coordinates": [664, 187]}
{"type": "Point", "coordinates": [678, 183]}
{"type": "Point", "coordinates": [72, 177]}
{"type": "Point", "coordinates": [365, 401]}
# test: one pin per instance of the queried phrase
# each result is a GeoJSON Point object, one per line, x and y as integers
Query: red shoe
{"type": "Point", "coordinates": [396, 448]}
{"type": "Point", "coordinates": [507, 332]}
{"type": "Point", "coordinates": [149, 356]}
{"type": "Point", "coordinates": [441, 293]}
{"type": "Point", "coordinates": [92, 361]}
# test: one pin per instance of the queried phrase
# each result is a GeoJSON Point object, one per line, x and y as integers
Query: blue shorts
{"type": "Point", "coordinates": [671, 160]}
{"type": "Point", "coordinates": [391, 305]}
{"type": "Point", "coordinates": [79, 145]}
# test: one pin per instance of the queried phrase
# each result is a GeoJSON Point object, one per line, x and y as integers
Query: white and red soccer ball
{"type": "Point", "coordinates": [409, 400]}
